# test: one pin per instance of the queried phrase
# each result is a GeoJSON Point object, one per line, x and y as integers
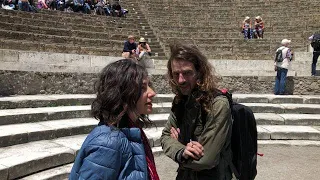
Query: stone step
{"type": "Point", "coordinates": [28, 132]}
{"type": "Point", "coordinates": [101, 20]}
{"type": "Point", "coordinates": [28, 115]}
{"type": "Point", "coordinates": [40, 46]}
{"type": "Point", "coordinates": [261, 119]}
{"type": "Point", "coordinates": [275, 99]}
{"type": "Point", "coordinates": [268, 35]}
{"type": "Point", "coordinates": [265, 132]}
{"type": "Point", "coordinates": [116, 35]}
{"type": "Point", "coordinates": [258, 108]}
{"type": "Point", "coordinates": [41, 100]}
{"type": "Point", "coordinates": [63, 25]}
{"type": "Point", "coordinates": [57, 173]}
{"type": "Point", "coordinates": [284, 108]}
{"type": "Point", "coordinates": [62, 172]}
{"type": "Point", "coordinates": [44, 38]}
{"type": "Point", "coordinates": [33, 101]}
{"type": "Point", "coordinates": [25, 159]}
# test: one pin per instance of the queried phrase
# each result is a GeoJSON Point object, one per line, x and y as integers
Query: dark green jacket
{"type": "Point", "coordinates": [214, 135]}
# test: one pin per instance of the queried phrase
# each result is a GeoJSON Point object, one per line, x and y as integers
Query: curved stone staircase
{"type": "Point", "coordinates": [68, 32]}
{"type": "Point", "coordinates": [41, 134]}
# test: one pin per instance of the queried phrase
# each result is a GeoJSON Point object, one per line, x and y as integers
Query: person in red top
{"type": "Point", "coordinates": [259, 27]}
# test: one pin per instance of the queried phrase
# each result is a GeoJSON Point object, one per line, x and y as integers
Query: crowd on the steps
{"type": "Point", "coordinates": [99, 7]}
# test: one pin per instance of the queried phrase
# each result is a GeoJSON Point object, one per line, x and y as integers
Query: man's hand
{"type": "Point", "coordinates": [174, 133]}
{"type": "Point", "coordinates": [194, 150]}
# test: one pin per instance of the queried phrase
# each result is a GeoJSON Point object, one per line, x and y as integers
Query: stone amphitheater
{"type": "Point", "coordinates": [50, 60]}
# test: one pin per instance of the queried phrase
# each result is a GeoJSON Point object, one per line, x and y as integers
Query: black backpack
{"type": "Point", "coordinates": [315, 43]}
{"type": "Point", "coordinates": [279, 57]}
{"type": "Point", "coordinates": [243, 139]}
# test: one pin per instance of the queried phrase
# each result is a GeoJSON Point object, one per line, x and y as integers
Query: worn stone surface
{"type": "Point", "coordinates": [28, 158]}
{"type": "Point", "coordinates": [265, 107]}
{"type": "Point", "coordinates": [3, 172]}
{"type": "Point", "coordinates": [14, 116]}
{"type": "Point", "coordinates": [301, 119]}
{"type": "Point", "coordinates": [286, 99]}
{"type": "Point", "coordinates": [268, 119]}
{"type": "Point", "coordinates": [263, 133]}
{"type": "Point", "coordinates": [28, 132]}
{"type": "Point", "coordinates": [61, 172]}
{"type": "Point", "coordinates": [22, 82]}
{"type": "Point", "coordinates": [40, 100]}
{"type": "Point", "coordinates": [72, 142]}
{"type": "Point", "coordinates": [293, 132]}
{"type": "Point", "coordinates": [302, 108]}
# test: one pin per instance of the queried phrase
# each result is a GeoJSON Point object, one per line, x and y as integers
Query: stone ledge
{"type": "Point", "coordinates": [28, 132]}
{"type": "Point", "coordinates": [24, 159]}
{"type": "Point", "coordinates": [83, 83]}
{"type": "Point", "coordinates": [26, 115]}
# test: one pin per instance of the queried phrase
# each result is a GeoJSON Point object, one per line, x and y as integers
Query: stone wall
{"type": "Point", "coordinates": [27, 82]}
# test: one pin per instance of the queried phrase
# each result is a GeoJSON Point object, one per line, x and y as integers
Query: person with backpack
{"type": "Point", "coordinates": [315, 43]}
{"type": "Point", "coordinates": [282, 63]}
{"type": "Point", "coordinates": [197, 134]}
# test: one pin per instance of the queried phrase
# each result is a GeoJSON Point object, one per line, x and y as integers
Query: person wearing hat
{"type": "Point", "coordinates": [143, 47]}
{"type": "Point", "coordinates": [259, 27]}
{"type": "Point", "coordinates": [246, 27]}
{"type": "Point", "coordinates": [282, 64]}
{"type": "Point", "coordinates": [129, 49]}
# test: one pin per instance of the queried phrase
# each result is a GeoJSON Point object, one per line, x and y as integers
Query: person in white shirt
{"type": "Point", "coordinates": [282, 64]}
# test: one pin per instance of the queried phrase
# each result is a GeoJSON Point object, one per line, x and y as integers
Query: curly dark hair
{"type": "Point", "coordinates": [207, 80]}
{"type": "Point", "coordinates": [118, 89]}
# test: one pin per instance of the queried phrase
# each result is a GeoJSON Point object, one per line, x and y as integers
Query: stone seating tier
{"type": "Point", "coordinates": [48, 136]}
{"type": "Point", "coordinates": [36, 18]}
{"type": "Point", "coordinates": [80, 27]}
{"type": "Point", "coordinates": [64, 48]}
{"type": "Point", "coordinates": [232, 35]}
{"type": "Point", "coordinates": [66, 16]}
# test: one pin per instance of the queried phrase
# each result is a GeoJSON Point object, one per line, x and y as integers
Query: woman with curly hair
{"type": "Point", "coordinates": [197, 134]}
{"type": "Point", "coordinates": [118, 147]}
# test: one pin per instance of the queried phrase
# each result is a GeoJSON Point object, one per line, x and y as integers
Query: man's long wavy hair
{"type": "Point", "coordinates": [206, 78]}
{"type": "Point", "coordinates": [118, 89]}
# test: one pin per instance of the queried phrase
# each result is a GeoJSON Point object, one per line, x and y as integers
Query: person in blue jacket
{"type": "Point", "coordinates": [118, 147]}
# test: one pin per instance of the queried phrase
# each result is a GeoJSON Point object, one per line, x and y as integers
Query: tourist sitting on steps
{"type": "Point", "coordinates": [99, 7]}
{"type": "Point", "coordinates": [118, 148]}
{"type": "Point", "coordinates": [246, 28]}
{"type": "Point", "coordinates": [143, 52]}
{"type": "Point", "coordinates": [143, 48]}
{"type": "Point", "coordinates": [129, 49]}
{"type": "Point", "coordinates": [258, 28]}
